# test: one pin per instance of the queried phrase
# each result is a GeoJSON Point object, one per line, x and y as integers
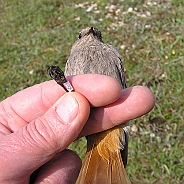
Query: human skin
{"type": "Point", "coordinates": [38, 123]}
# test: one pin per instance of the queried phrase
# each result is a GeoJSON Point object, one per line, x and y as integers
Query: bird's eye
{"type": "Point", "coordinates": [80, 35]}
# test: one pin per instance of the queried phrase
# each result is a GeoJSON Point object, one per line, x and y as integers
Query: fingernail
{"type": "Point", "coordinates": [67, 109]}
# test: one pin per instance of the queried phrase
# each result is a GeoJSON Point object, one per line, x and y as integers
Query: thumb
{"type": "Point", "coordinates": [24, 151]}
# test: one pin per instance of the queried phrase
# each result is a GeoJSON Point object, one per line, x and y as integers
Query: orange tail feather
{"type": "Point", "coordinates": [103, 162]}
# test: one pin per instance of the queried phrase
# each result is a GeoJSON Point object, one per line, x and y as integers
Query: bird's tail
{"type": "Point", "coordinates": [103, 162]}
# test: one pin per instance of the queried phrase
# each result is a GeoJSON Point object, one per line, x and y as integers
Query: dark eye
{"type": "Point", "coordinates": [80, 35]}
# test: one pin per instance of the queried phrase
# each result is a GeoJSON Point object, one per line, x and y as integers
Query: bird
{"type": "Point", "coordinates": [106, 155]}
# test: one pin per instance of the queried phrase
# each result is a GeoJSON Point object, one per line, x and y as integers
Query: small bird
{"type": "Point", "coordinates": [106, 155]}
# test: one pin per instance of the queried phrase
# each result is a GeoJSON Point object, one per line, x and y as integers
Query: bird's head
{"type": "Point", "coordinates": [87, 36]}
{"type": "Point", "coordinates": [90, 31]}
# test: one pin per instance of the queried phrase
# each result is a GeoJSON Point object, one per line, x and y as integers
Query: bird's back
{"type": "Point", "coordinates": [99, 58]}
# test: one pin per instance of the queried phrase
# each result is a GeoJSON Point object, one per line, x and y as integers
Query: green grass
{"type": "Point", "coordinates": [36, 34]}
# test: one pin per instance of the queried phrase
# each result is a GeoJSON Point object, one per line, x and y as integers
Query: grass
{"type": "Point", "coordinates": [150, 37]}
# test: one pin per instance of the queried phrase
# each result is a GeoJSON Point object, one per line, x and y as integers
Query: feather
{"type": "Point", "coordinates": [103, 163]}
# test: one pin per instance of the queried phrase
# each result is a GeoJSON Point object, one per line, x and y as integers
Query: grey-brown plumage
{"type": "Point", "coordinates": [90, 55]}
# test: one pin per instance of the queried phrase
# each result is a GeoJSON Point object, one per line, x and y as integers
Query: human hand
{"type": "Point", "coordinates": [38, 123]}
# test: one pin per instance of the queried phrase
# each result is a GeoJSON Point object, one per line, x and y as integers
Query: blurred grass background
{"type": "Point", "coordinates": [150, 36]}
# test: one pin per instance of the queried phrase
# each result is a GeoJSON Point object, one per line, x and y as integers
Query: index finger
{"type": "Point", "coordinates": [33, 102]}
